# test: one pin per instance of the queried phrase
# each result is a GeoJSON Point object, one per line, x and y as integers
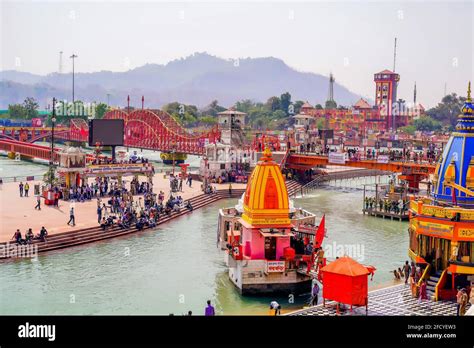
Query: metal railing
{"type": "Point", "coordinates": [350, 174]}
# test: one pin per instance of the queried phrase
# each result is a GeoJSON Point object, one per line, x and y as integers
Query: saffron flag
{"type": "Point", "coordinates": [321, 231]}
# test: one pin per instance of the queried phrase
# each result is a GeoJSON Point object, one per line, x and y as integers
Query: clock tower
{"type": "Point", "coordinates": [386, 94]}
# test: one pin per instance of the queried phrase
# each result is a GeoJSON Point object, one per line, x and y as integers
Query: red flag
{"type": "Point", "coordinates": [321, 231]}
{"type": "Point", "coordinates": [83, 132]}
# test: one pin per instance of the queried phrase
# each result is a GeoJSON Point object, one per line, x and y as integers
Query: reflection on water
{"type": "Point", "coordinates": [178, 267]}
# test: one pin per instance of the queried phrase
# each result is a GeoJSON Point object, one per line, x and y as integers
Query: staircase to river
{"type": "Point", "coordinates": [431, 284]}
{"type": "Point", "coordinates": [93, 234]}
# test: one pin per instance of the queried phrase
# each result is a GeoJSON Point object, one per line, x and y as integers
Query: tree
{"type": "Point", "coordinates": [318, 107]}
{"type": "Point", "coordinates": [278, 115]}
{"type": "Point", "coordinates": [411, 129]}
{"type": "Point", "coordinates": [244, 105]}
{"type": "Point", "coordinates": [100, 110]}
{"type": "Point", "coordinates": [330, 104]}
{"type": "Point", "coordinates": [185, 114]}
{"type": "Point", "coordinates": [273, 104]}
{"type": "Point", "coordinates": [31, 106]}
{"type": "Point", "coordinates": [426, 123]}
{"type": "Point", "coordinates": [297, 106]}
{"type": "Point", "coordinates": [213, 108]}
{"type": "Point", "coordinates": [285, 101]}
{"type": "Point", "coordinates": [17, 111]}
{"type": "Point", "coordinates": [208, 120]}
{"type": "Point", "coordinates": [447, 110]}
{"type": "Point", "coordinates": [321, 123]}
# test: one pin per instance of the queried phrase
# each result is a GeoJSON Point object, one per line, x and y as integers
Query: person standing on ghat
{"type": "Point", "coordinates": [21, 189]}
{"type": "Point", "coordinates": [38, 202]}
{"type": "Point", "coordinates": [209, 309]}
{"type": "Point", "coordinates": [71, 217]}
{"type": "Point", "coordinates": [27, 188]}
{"type": "Point", "coordinates": [99, 213]}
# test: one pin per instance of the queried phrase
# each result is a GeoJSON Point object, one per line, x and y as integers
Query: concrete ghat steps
{"type": "Point", "coordinates": [84, 233]}
{"type": "Point", "coordinates": [293, 187]}
{"type": "Point", "coordinates": [97, 233]}
{"type": "Point", "coordinates": [92, 234]}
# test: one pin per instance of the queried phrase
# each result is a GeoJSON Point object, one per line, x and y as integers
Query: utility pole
{"type": "Point", "coordinates": [51, 163]}
{"type": "Point", "coordinates": [108, 99]}
{"type": "Point", "coordinates": [414, 96]}
{"type": "Point", "coordinates": [73, 57]}
{"type": "Point", "coordinates": [394, 54]}
{"type": "Point", "coordinates": [60, 62]}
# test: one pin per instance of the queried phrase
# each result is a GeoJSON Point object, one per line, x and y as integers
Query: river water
{"type": "Point", "coordinates": [177, 267]}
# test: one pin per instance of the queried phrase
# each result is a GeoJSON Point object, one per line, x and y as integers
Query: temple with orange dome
{"type": "Point", "coordinates": [259, 235]}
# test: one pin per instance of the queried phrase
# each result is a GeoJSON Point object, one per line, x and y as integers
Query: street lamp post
{"type": "Point", "coordinates": [53, 121]}
{"type": "Point", "coordinates": [73, 57]}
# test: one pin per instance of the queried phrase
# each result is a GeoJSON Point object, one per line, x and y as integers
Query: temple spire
{"type": "Point", "coordinates": [469, 92]}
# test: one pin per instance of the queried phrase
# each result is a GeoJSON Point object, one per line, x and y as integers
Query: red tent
{"type": "Point", "coordinates": [346, 281]}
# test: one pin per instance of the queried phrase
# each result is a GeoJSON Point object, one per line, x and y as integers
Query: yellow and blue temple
{"type": "Point", "coordinates": [454, 175]}
{"type": "Point", "coordinates": [441, 230]}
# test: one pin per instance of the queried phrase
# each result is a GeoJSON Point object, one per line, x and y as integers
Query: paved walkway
{"type": "Point", "coordinates": [18, 212]}
{"type": "Point", "coordinates": [393, 300]}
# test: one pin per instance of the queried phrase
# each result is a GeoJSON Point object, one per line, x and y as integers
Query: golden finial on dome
{"type": "Point", "coordinates": [267, 154]}
{"type": "Point", "coordinates": [469, 92]}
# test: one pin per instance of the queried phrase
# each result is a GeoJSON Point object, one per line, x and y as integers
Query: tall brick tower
{"type": "Point", "coordinates": [386, 94]}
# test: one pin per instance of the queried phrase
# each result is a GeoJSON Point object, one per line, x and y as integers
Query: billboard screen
{"type": "Point", "coordinates": [106, 132]}
{"type": "Point", "coordinates": [326, 133]}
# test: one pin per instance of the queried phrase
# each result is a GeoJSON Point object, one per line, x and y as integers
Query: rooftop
{"type": "Point", "coordinates": [393, 300]}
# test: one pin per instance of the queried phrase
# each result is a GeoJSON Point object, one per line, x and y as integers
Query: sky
{"type": "Point", "coordinates": [351, 39]}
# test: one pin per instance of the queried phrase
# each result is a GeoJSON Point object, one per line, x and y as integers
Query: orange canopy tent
{"type": "Point", "coordinates": [346, 281]}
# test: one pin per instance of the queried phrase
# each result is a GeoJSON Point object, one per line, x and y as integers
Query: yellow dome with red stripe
{"type": "Point", "coordinates": [266, 201]}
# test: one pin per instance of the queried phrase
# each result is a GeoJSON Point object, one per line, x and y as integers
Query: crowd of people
{"type": "Point", "coordinates": [411, 274]}
{"type": "Point", "coordinates": [108, 160]}
{"type": "Point", "coordinates": [429, 155]}
{"type": "Point", "coordinates": [29, 236]}
{"type": "Point", "coordinates": [386, 205]}
{"type": "Point", "coordinates": [238, 174]}
{"type": "Point", "coordinates": [127, 212]}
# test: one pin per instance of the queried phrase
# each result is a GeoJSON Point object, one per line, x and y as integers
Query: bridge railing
{"type": "Point", "coordinates": [420, 160]}
{"type": "Point", "coordinates": [343, 175]}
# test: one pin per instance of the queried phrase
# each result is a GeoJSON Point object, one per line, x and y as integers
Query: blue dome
{"type": "Point", "coordinates": [457, 162]}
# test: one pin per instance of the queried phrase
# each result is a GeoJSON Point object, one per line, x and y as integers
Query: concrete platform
{"type": "Point", "coordinates": [393, 300]}
{"type": "Point", "coordinates": [18, 212]}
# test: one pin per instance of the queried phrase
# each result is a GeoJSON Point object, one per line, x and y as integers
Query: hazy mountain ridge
{"type": "Point", "coordinates": [197, 79]}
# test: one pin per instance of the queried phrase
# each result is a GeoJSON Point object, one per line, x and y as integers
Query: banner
{"type": "Point", "coordinates": [337, 158]}
{"type": "Point", "coordinates": [275, 266]}
{"type": "Point", "coordinates": [435, 229]}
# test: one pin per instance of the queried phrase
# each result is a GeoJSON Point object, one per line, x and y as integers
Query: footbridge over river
{"type": "Point", "coordinates": [412, 172]}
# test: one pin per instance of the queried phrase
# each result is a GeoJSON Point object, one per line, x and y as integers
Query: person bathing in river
{"type": "Point", "coordinates": [276, 307]}
{"type": "Point", "coordinates": [406, 271]}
